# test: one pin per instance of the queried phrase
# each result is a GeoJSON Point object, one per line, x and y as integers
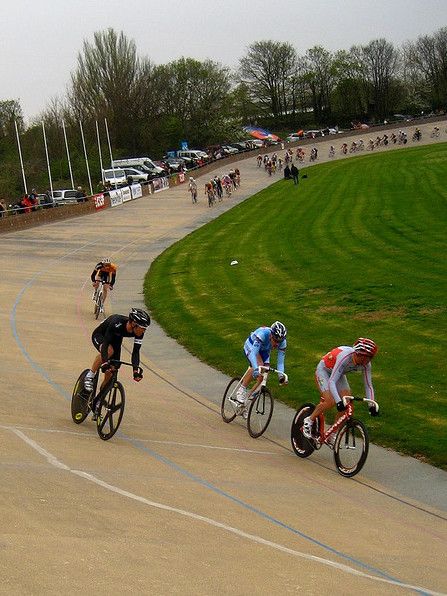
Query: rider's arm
{"type": "Point", "coordinates": [136, 352]}
{"type": "Point", "coordinates": [369, 389]}
{"type": "Point", "coordinates": [113, 277]}
{"type": "Point", "coordinates": [281, 355]}
{"type": "Point", "coordinates": [337, 371]}
{"type": "Point", "coordinates": [93, 275]}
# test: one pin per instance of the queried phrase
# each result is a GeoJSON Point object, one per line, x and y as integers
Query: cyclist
{"type": "Point", "coordinates": [257, 349]}
{"type": "Point", "coordinates": [331, 379]}
{"type": "Point", "coordinates": [108, 337]}
{"type": "Point", "coordinates": [105, 272]}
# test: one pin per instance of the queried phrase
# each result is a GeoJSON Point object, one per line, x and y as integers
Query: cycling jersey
{"type": "Point", "coordinates": [104, 272]}
{"type": "Point", "coordinates": [259, 342]}
{"type": "Point", "coordinates": [111, 333]}
{"type": "Point", "coordinates": [330, 373]}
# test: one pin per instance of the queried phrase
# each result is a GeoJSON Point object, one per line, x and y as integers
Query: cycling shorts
{"type": "Point", "coordinates": [322, 376]}
{"type": "Point", "coordinates": [265, 355]}
{"type": "Point", "coordinates": [97, 340]}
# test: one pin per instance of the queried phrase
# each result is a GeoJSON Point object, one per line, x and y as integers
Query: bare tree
{"type": "Point", "coordinates": [380, 62]}
{"type": "Point", "coordinates": [319, 75]}
{"type": "Point", "coordinates": [105, 83]}
{"type": "Point", "coordinates": [269, 70]}
{"type": "Point", "coordinates": [426, 67]}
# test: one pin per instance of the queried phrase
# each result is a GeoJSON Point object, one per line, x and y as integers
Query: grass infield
{"type": "Point", "coordinates": [356, 249]}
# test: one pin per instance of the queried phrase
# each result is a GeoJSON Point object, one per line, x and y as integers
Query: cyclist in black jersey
{"type": "Point", "coordinates": [108, 337]}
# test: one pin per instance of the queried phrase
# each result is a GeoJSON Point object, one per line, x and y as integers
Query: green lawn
{"type": "Point", "coordinates": [357, 249]}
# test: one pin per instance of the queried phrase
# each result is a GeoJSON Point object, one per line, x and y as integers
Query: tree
{"type": "Point", "coordinates": [318, 66]}
{"type": "Point", "coordinates": [10, 112]}
{"type": "Point", "coordinates": [380, 62]}
{"type": "Point", "coordinates": [268, 69]}
{"type": "Point", "coordinates": [426, 68]}
{"type": "Point", "coordinates": [105, 84]}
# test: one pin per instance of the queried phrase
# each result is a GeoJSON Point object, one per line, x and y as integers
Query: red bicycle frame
{"type": "Point", "coordinates": [334, 428]}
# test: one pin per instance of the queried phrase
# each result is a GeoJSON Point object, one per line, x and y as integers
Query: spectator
{"type": "Point", "coordinates": [80, 194]}
{"type": "Point", "coordinates": [287, 173]}
{"type": "Point", "coordinates": [2, 209]}
{"type": "Point", "coordinates": [295, 172]}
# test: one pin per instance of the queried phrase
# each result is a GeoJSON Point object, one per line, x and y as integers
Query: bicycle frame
{"type": "Point", "coordinates": [264, 371]}
{"type": "Point", "coordinates": [347, 414]}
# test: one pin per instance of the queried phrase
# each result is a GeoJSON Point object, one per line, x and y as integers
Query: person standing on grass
{"type": "Point", "coordinates": [295, 173]}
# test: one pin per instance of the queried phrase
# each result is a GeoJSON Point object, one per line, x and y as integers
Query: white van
{"type": "Point", "coordinates": [115, 177]}
{"type": "Point", "coordinates": [145, 164]}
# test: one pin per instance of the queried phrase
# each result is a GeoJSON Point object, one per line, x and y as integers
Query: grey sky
{"type": "Point", "coordinates": [41, 38]}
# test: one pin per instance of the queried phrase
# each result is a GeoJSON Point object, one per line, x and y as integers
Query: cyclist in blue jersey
{"type": "Point", "coordinates": [257, 349]}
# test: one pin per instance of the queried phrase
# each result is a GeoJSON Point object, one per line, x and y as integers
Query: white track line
{"type": "Point", "coordinates": [159, 442]}
{"type": "Point", "coordinates": [207, 520]}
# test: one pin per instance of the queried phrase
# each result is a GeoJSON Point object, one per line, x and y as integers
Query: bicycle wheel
{"type": "Point", "coordinates": [98, 305]}
{"type": "Point", "coordinates": [111, 412]}
{"type": "Point", "coordinates": [228, 409]}
{"type": "Point", "coordinates": [351, 448]}
{"type": "Point", "coordinates": [79, 400]}
{"type": "Point", "coordinates": [260, 413]}
{"type": "Point", "coordinates": [301, 446]}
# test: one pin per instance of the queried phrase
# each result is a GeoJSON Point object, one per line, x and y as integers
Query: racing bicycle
{"type": "Point", "coordinates": [258, 408]}
{"type": "Point", "coordinates": [107, 405]}
{"type": "Point", "coordinates": [347, 437]}
{"type": "Point", "coordinates": [98, 298]}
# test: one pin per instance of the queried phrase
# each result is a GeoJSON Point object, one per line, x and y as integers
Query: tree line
{"type": "Point", "coordinates": [151, 108]}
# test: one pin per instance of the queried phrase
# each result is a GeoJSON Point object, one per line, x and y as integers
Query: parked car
{"type": "Point", "coordinates": [135, 175]}
{"type": "Point", "coordinates": [229, 149]}
{"type": "Point", "coordinates": [144, 164]}
{"type": "Point", "coordinates": [175, 164]}
{"type": "Point", "coordinates": [196, 154]}
{"type": "Point", "coordinates": [115, 177]}
{"type": "Point", "coordinates": [68, 195]}
{"type": "Point", "coordinates": [46, 201]}
{"type": "Point", "coordinates": [313, 134]}
{"type": "Point", "coordinates": [241, 145]}
{"type": "Point", "coordinates": [295, 136]}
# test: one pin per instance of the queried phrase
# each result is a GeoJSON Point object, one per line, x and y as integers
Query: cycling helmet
{"type": "Point", "coordinates": [106, 261]}
{"type": "Point", "coordinates": [140, 317]}
{"type": "Point", "coordinates": [279, 331]}
{"type": "Point", "coordinates": [365, 347]}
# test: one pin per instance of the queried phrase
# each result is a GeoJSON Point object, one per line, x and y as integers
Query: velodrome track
{"type": "Point", "coordinates": [178, 502]}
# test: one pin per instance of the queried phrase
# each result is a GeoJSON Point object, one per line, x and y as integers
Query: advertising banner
{"type": "Point", "coordinates": [136, 191]}
{"type": "Point", "coordinates": [160, 184]}
{"type": "Point", "coordinates": [116, 198]}
{"type": "Point", "coordinates": [125, 192]}
{"type": "Point", "coordinates": [181, 177]}
{"type": "Point", "coordinates": [99, 200]}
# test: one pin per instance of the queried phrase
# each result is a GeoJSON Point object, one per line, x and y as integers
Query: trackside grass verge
{"type": "Point", "coordinates": [357, 249]}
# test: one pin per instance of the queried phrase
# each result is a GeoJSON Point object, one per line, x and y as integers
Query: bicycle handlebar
{"type": "Point", "coordinates": [112, 361]}
{"type": "Point", "coordinates": [370, 402]}
{"type": "Point", "coordinates": [268, 369]}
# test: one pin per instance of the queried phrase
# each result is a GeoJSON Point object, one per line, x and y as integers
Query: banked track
{"type": "Point", "coordinates": [178, 502]}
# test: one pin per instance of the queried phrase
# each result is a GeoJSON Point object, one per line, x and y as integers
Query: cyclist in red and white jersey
{"type": "Point", "coordinates": [330, 377]}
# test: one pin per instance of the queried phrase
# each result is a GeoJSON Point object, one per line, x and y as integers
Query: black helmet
{"type": "Point", "coordinates": [140, 317]}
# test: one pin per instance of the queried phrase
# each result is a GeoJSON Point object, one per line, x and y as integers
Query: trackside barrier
{"type": "Point", "coordinates": [136, 191]}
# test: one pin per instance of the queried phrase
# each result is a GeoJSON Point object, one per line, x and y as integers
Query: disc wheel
{"type": "Point", "coordinates": [228, 409]}
{"type": "Point", "coordinates": [351, 448]}
{"type": "Point", "coordinates": [79, 400]}
{"type": "Point", "coordinates": [301, 446]}
{"type": "Point", "coordinates": [111, 412]}
{"type": "Point", "coordinates": [260, 413]}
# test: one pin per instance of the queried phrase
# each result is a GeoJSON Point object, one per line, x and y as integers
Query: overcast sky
{"type": "Point", "coordinates": [41, 38]}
